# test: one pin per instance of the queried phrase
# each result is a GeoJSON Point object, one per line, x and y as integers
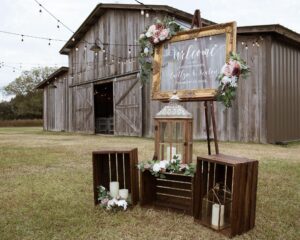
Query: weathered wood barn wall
{"type": "Point", "coordinates": [261, 113]}
{"type": "Point", "coordinates": [55, 112]}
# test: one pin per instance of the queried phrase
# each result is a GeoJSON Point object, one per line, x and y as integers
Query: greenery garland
{"type": "Point", "coordinates": [228, 79]}
{"type": "Point", "coordinates": [154, 34]}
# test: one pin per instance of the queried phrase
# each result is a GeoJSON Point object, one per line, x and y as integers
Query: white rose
{"type": "Point", "coordinates": [142, 35]}
{"type": "Point", "coordinates": [226, 80]}
{"type": "Point", "coordinates": [148, 34]}
{"type": "Point", "coordinates": [163, 164]}
{"type": "Point", "coordinates": [122, 203]}
{"type": "Point", "coordinates": [146, 50]}
{"type": "Point", "coordinates": [156, 167]}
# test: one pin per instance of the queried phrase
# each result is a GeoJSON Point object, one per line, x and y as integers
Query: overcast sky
{"type": "Point", "coordinates": [22, 16]}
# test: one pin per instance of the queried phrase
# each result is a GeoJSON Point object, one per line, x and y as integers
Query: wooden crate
{"type": "Point", "coordinates": [116, 165]}
{"type": "Point", "coordinates": [240, 176]}
{"type": "Point", "coordinates": [174, 192]}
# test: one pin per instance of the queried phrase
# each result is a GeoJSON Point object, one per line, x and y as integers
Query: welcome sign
{"type": "Point", "coordinates": [190, 62]}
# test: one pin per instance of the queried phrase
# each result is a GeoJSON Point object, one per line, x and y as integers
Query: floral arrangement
{"type": "Point", "coordinates": [228, 79]}
{"type": "Point", "coordinates": [155, 34]}
{"type": "Point", "coordinates": [109, 203]}
{"type": "Point", "coordinates": [158, 168]}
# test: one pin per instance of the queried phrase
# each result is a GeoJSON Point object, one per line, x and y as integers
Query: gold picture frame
{"type": "Point", "coordinates": [227, 29]}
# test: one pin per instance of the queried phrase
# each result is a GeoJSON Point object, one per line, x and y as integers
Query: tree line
{"type": "Point", "coordinates": [27, 102]}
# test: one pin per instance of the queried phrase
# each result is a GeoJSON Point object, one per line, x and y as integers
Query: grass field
{"type": "Point", "coordinates": [46, 190]}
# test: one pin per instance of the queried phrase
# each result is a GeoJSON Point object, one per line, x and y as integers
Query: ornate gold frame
{"type": "Point", "coordinates": [192, 94]}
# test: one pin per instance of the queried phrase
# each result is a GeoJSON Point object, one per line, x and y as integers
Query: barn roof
{"type": "Point", "coordinates": [101, 8]}
{"type": "Point", "coordinates": [52, 77]}
{"type": "Point", "coordinates": [273, 29]}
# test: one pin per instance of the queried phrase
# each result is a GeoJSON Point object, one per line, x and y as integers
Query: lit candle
{"type": "Point", "coordinates": [123, 193]}
{"type": "Point", "coordinates": [216, 212]}
{"type": "Point", "coordinates": [170, 153]}
{"type": "Point", "coordinates": [114, 189]}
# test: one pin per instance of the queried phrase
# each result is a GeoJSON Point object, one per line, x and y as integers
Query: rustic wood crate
{"type": "Point", "coordinates": [173, 192]}
{"type": "Point", "coordinates": [240, 175]}
{"type": "Point", "coordinates": [120, 161]}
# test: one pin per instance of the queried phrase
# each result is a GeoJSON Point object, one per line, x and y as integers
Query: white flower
{"type": "Point", "coordinates": [122, 203]}
{"type": "Point", "coordinates": [226, 80]}
{"type": "Point", "coordinates": [151, 31]}
{"type": "Point", "coordinates": [234, 82]}
{"type": "Point", "coordinates": [156, 167]}
{"type": "Point", "coordinates": [146, 50]}
{"type": "Point", "coordinates": [173, 160]}
{"type": "Point", "coordinates": [142, 35]}
{"type": "Point", "coordinates": [163, 164]}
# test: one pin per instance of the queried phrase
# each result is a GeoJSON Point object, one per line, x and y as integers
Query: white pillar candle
{"type": "Point", "coordinates": [170, 153]}
{"type": "Point", "coordinates": [215, 215]}
{"type": "Point", "coordinates": [114, 189]}
{"type": "Point", "coordinates": [123, 193]}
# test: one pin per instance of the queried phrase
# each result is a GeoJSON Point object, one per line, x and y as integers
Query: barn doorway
{"type": "Point", "coordinates": [104, 108]}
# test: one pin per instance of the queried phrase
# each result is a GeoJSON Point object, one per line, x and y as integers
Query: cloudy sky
{"type": "Point", "coordinates": [23, 16]}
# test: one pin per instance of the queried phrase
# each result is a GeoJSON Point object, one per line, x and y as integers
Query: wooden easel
{"type": "Point", "coordinates": [208, 104]}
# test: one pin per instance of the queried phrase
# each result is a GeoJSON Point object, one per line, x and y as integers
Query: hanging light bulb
{"type": "Point", "coordinates": [103, 50]}
{"type": "Point", "coordinates": [76, 49]}
{"type": "Point", "coordinates": [147, 15]}
{"type": "Point", "coordinates": [129, 51]}
{"type": "Point", "coordinates": [58, 23]}
{"type": "Point", "coordinates": [246, 47]}
{"type": "Point", "coordinates": [142, 12]}
{"type": "Point", "coordinates": [253, 44]}
{"type": "Point", "coordinates": [210, 38]}
{"type": "Point", "coordinates": [96, 53]}
{"type": "Point", "coordinates": [105, 58]}
{"type": "Point", "coordinates": [73, 39]}
{"type": "Point", "coordinates": [40, 8]}
{"type": "Point", "coordinates": [85, 47]}
{"type": "Point", "coordinates": [243, 43]}
{"type": "Point", "coordinates": [195, 39]}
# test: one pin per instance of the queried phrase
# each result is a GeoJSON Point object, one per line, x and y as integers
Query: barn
{"type": "Point", "coordinates": [100, 91]}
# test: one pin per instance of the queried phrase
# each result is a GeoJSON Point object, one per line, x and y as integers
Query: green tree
{"type": "Point", "coordinates": [28, 101]}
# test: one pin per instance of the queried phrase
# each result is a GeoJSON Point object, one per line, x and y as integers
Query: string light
{"type": "Point", "coordinates": [73, 39]}
{"type": "Point", "coordinates": [76, 49]}
{"type": "Point", "coordinates": [30, 36]}
{"type": "Point", "coordinates": [147, 15]}
{"type": "Point", "coordinates": [246, 47]}
{"type": "Point", "coordinates": [210, 38]}
{"type": "Point", "coordinates": [142, 12]}
{"type": "Point", "coordinates": [129, 51]}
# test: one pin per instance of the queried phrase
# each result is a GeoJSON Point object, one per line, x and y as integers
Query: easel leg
{"type": "Point", "coordinates": [207, 127]}
{"type": "Point", "coordinates": [213, 117]}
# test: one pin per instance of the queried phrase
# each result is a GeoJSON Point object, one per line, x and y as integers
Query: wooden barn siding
{"type": "Point", "coordinates": [284, 99]}
{"type": "Point", "coordinates": [114, 26]}
{"type": "Point", "coordinates": [55, 105]}
{"type": "Point", "coordinates": [246, 120]}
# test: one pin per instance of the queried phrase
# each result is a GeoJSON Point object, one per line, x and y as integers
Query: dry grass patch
{"type": "Point", "coordinates": [46, 190]}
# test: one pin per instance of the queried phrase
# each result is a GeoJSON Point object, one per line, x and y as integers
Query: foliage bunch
{"type": "Point", "coordinates": [108, 202]}
{"type": "Point", "coordinates": [158, 168]}
{"type": "Point", "coordinates": [158, 32]}
{"type": "Point", "coordinates": [228, 79]}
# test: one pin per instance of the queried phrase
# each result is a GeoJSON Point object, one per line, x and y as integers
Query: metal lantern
{"type": "Point", "coordinates": [174, 132]}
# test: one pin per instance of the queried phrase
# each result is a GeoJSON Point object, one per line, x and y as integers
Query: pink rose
{"type": "Point", "coordinates": [227, 69]}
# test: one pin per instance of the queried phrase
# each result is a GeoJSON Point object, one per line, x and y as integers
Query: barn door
{"type": "Point", "coordinates": [127, 106]}
{"type": "Point", "coordinates": [83, 117]}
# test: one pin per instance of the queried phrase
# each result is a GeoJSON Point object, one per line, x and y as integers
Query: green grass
{"type": "Point", "coordinates": [46, 190]}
